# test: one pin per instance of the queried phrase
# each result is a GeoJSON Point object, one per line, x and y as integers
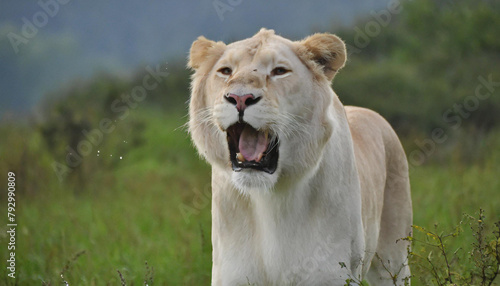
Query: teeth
{"type": "Point", "coordinates": [260, 157]}
{"type": "Point", "coordinates": [240, 157]}
{"type": "Point", "coordinates": [266, 135]}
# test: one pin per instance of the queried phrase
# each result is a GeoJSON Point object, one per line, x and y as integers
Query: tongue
{"type": "Point", "coordinates": [252, 144]}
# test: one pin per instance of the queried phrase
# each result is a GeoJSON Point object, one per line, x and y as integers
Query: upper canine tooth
{"type": "Point", "coordinates": [240, 157]}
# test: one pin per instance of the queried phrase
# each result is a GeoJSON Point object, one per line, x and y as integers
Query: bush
{"type": "Point", "coordinates": [436, 262]}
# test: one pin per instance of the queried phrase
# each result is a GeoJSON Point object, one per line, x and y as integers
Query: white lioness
{"type": "Point", "coordinates": [305, 191]}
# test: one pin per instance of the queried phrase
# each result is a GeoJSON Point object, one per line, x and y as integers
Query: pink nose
{"type": "Point", "coordinates": [241, 102]}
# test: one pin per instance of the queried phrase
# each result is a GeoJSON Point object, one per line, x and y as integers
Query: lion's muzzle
{"type": "Point", "coordinates": [242, 101]}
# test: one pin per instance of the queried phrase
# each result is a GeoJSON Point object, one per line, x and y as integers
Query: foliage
{"type": "Point", "coordinates": [427, 61]}
{"type": "Point", "coordinates": [129, 213]}
{"type": "Point", "coordinates": [436, 263]}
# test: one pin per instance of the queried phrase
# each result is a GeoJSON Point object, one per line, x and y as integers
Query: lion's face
{"type": "Point", "coordinates": [259, 106]}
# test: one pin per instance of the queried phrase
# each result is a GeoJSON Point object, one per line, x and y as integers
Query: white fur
{"type": "Point", "coordinates": [333, 201]}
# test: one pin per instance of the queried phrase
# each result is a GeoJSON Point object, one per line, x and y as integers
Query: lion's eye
{"type": "Point", "coordinates": [279, 71]}
{"type": "Point", "coordinates": [225, 71]}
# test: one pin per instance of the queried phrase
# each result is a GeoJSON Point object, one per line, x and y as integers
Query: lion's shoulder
{"type": "Point", "coordinates": [365, 121]}
{"type": "Point", "coordinates": [370, 131]}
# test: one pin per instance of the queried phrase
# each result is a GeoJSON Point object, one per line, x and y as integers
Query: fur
{"type": "Point", "coordinates": [341, 191]}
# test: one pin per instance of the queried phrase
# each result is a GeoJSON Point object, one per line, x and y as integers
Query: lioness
{"type": "Point", "coordinates": [305, 191]}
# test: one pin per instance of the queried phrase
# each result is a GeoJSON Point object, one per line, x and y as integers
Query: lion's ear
{"type": "Point", "coordinates": [204, 50]}
{"type": "Point", "coordinates": [328, 51]}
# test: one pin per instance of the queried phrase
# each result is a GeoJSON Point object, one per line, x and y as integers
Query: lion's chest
{"type": "Point", "coordinates": [288, 249]}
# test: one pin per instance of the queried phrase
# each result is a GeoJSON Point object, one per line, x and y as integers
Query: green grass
{"type": "Point", "coordinates": [131, 211]}
{"type": "Point", "coordinates": [441, 196]}
{"type": "Point", "coordinates": [128, 214]}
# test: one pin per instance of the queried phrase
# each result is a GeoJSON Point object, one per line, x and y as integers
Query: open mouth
{"type": "Point", "coordinates": [252, 149]}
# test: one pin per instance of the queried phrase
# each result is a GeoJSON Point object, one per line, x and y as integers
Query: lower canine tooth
{"type": "Point", "coordinates": [260, 157]}
{"type": "Point", "coordinates": [240, 157]}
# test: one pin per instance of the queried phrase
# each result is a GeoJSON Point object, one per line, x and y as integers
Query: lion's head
{"type": "Point", "coordinates": [260, 107]}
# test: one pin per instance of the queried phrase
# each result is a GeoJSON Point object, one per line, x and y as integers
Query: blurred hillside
{"type": "Point", "coordinates": [81, 37]}
{"type": "Point", "coordinates": [428, 60]}
{"type": "Point", "coordinates": [433, 66]}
